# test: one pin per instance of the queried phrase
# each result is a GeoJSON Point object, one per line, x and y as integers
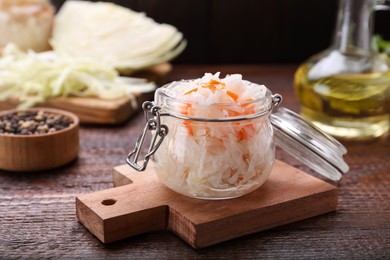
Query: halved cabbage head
{"type": "Point", "coordinates": [125, 39]}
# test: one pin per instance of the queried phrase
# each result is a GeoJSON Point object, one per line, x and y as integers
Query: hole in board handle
{"type": "Point", "coordinates": [108, 202]}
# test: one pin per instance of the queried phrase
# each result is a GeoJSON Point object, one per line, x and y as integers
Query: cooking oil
{"type": "Point", "coordinates": [345, 105]}
{"type": "Point", "coordinates": [345, 89]}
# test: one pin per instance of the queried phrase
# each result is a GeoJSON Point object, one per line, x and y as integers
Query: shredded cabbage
{"type": "Point", "coordinates": [125, 39]}
{"type": "Point", "coordinates": [35, 77]}
{"type": "Point", "coordinates": [215, 160]}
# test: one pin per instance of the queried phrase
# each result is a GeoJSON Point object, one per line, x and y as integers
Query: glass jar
{"type": "Point", "coordinates": [26, 23]}
{"type": "Point", "coordinates": [345, 90]}
{"type": "Point", "coordinates": [222, 157]}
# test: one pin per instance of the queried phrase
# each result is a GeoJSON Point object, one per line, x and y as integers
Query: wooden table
{"type": "Point", "coordinates": [37, 210]}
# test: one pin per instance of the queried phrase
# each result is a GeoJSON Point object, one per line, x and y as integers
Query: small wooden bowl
{"type": "Point", "coordinates": [40, 151]}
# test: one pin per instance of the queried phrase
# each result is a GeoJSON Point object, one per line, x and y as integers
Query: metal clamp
{"type": "Point", "coordinates": [159, 131]}
{"type": "Point", "coordinates": [276, 100]}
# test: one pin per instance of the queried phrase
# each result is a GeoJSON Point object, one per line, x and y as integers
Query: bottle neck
{"type": "Point", "coordinates": [354, 27]}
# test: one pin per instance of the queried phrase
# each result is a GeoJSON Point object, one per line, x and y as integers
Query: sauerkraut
{"type": "Point", "coordinates": [26, 23]}
{"type": "Point", "coordinates": [215, 160]}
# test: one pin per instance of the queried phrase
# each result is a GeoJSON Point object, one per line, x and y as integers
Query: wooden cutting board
{"type": "Point", "coordinates": [99, 111]}
{"type": "Point", "coordinates": [141, 203]}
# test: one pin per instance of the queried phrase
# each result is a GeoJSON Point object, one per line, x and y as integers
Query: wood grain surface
{"type": "Point", "coordinates": [38, 216]}
{"type": "Point", "coordinates": [145, 205]}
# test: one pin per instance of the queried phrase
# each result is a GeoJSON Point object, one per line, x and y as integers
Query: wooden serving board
{"type": "Point", "coordinates": [141, 203]}
{"type": "Point", "coordinates": [91, 110]}
{"type": "Point", "coordinates": [99, 111]}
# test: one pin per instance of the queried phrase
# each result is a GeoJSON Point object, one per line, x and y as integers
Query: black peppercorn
{"type": "Point", "coordinates": [32, 122]}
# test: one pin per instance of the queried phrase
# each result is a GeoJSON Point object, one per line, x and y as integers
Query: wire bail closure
{"type": "Point", "coordinates": [159, 131]}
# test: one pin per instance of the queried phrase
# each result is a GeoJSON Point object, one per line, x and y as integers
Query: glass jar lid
{"type": "Point", "coordinates": [307, 143]}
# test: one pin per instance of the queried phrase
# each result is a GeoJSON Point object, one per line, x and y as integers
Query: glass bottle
{"type": "Point", "coordinates": [345, 90]}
